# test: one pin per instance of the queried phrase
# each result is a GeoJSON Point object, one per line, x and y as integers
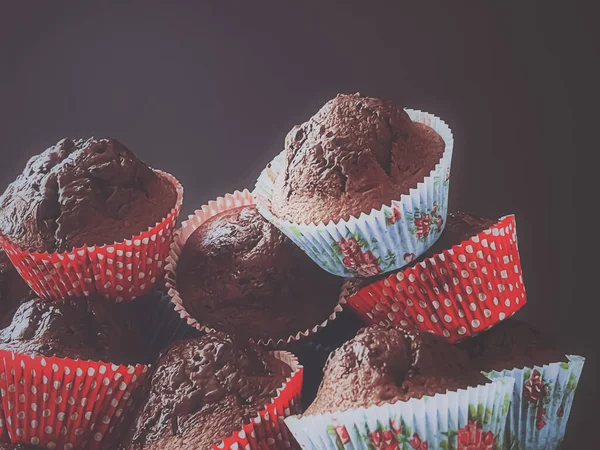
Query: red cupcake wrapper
{"type": "Point", "coordinates": [62, 403]}
{"type": "Point", "coordinates": [457, 293]}
{"type": "Point", "coordinates": [120, 271]}
{"type": "Point", "coordinates": [268, 430]}
{"type": "Point", "coordinates": [221, 204]}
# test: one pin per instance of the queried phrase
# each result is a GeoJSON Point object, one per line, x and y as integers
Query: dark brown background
{"type": "Point", "coordinates": [209, 92]}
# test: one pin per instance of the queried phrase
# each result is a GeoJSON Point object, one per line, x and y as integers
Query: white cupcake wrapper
{"type": "Point", "coordinates": [474, 416]}
{"type": "Point", "coordinates": [227, 202]}
{"type": "Point", "coordinates": [539, 421]}
{"type": "Point", "coordinates": [383, 237]}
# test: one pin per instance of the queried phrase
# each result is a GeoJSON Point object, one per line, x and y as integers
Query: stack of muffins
{"type": "Point", "coordinates": [341, 284]}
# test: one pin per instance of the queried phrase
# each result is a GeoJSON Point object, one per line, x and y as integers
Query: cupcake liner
{"type": "Point", "coordinates": [473, 418]}
{"type": "Point", "coordinates": [372, 243]}
{"type": "Point", "coordinates": [120, 271]}
{"type": "Point", "coordinates": [542, 400]}
{"type": "Point", "coordinates": [227, 202]}
{"type": "Point", "coordinates": [267, 430]}
{"type": "Point", "coordinates": [457, 293]}
{"type": "Point", "coordinates": [62, 403]}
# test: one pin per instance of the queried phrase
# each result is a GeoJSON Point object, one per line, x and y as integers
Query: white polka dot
{"type": "Point", "coordinates": [420, 318]}
{"type": "Point", "coordinates": [461, 330]}
{"type": "Point", "coordinates": [435, 304]}
{"type": "Point", "coordinates": [453, 266]}
{"type": "Point", "coordinates": [484, 270]}
{"type": "Point", "coordinates": [462, 258]}
{"type": "Point", "coordinates": [51, 445]}
{"type": "Point", "coordinates": [446, 287]}
{"type": "Point", "coordinates": [461, 313]}
{"type": "Point", "coordinates": [487, 313]}
{"type": "Point", "coordinates": [79, 372]}
{"type": "Point", "coordinates": [482, 297]}
{"type": "Point", "coordinates": [56, 385]}
{"type": "Point", "coordinates": [477, 280]}
{"type": "Point", "coordinates": [507, 302]}
{"type": "Point", "coordinates": [400, 276]}
{"type": "Point", "coordinates": [12, 388]}
{"type": "Point", "coordinates": [391, 316]}
{"type": "Point", "coordinates": [21, 415]}
{"type": "Point", "coordinates": [34, 406]}
{"type": "Point", "coordinates": [46, 413]}
{"type": "Point", "coordinates": [78, 431]}
{"type": "Point", "coordinates": [447, 318]}
{"type": "Point", "coordinates": [422, 304]}
{"type": "Point", "coordinates": [409, 302]}
{"type": "Point", "coordinates": [456, 281]}
{"type": "Point", "coordinates": [446, 333]}
{"type": "Point", "coordinates": [464, 274]}
{"type": "Point", "coordinates": [60, 416]}
{"type": "Point", "coordinates": [54, 368]}
{"type": "Point", "coordinates": [404, 323]}
{"type": "Point", "coordinates": [484, 243]}
{"type": "Point", "coordinates": [399, 288]}
{"type": "Point", "coordinates": [75, 416]}
{"type": "Point", "coordinates": [91, 372]}
{"type": "Point", "coordinates": [459, 298]}
{"type": "Point", "coordinates": [49, 429]}
{"type": "Point", "coordinates": [114, 403]}
{"type": "Point", "coordinates": [68, 446]}
{"type": "Point", "coordinates": [496, 301]}
{"type": "Point", "coordinates": [447, 302]}
{"type": "Point", "coordinates": [501, 288]}
{"type": "Point", "coordinates": [469, 290]}
{"type": "Point", "coordinates": [22, 398]}
{"type": "Point", "coordinates": [98, 437]}
{"type": "Point", "coordinates": [436, 291]}
{"type": "Point", "coordinates": [58, 400]}
{"type": "Point", "coordinates": [469, 248]}
{"type": "Point", "coordinates": [423, 277]}
{"type": "Point", "coordinates": [473, 307]}
{"type": "Point", "coordinates": [475, 323]}
{"type": "Point", "coordinates": [517, 300]}
{"type": "Point", "coordinates": [34, 440]}
{"type": "Point", "coordinates": [502, 316]}
{"type": "Point", "coordinates": [493, 246]}
{"type": "Point", "coordinates": [434, 318]}
{"type": "Point", "coordinates": [411, 289]}
{"type": "Point", "coordinates": [479, 254]}
{"type": "Point", "coordinates": [71, 401]}
{"type": "Point", "coordinates": [19, 432]}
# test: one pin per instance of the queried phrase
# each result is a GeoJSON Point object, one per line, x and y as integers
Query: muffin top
{"type": "Point", "coordinates": [13, 290]}
{"type": "Point", "coordinates": [239, 274]}
{"type": "Point", "coordinates": [386, 365]}
{"type": "Point", "coordinates": [203, 390]}
{"type": "Point", "coordinates": [88, 329]}
{"type": "Point", "coordinates": [356, 154]}
{"type": "Point", "coordinates": [83, 192]}
{"type": "Point", "coordinates": [512, 344]}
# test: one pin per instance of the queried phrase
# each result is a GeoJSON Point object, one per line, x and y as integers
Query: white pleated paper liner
{"type": "Point", "coordinates": [541, 404]}
{"type": "Point", "coordinates": [473, 418]}
{"type": "Point", "coordinates": [221, 204]}
{"type": "Point", "coordinates": [377, 242]}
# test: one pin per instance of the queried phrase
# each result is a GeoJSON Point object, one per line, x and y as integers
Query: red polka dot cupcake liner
{"type": "Point", "coordinates": [120, 271]}
{"type": "Point", "coordinates": [221, 204]}
{"type": "Point", "coordinates": [267, 430]}
{"type": "Point", "coordinates": [457, 293]}
{"type": "Point", "coordinates": [62, 403]}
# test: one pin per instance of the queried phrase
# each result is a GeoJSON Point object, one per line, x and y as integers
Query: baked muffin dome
{"type": "Point", "coordinates": [202, 391]}
{"type": "Point", "coordinates": [83, 192]}
{"type": "Point", "coordinates": [386, 365]}
{"type": "Point", "coordinates": [356, 154]}
{"type": "Point", "coordinates": [239, 274]}
{"type": "Point", "coordinates": [87, 328]}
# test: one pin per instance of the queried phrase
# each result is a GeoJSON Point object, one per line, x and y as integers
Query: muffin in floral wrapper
{"type": "Point", "coordinates": [469, 280]}
{"type": "Point", "coordinates": [240, 395]}
{"type": "Point", "coordinates": [545, 381]}
{"type": "Point", "coordinates": [541, 404]}
{"type": "Point", "coordinates": [88, 217]}
{"type": "Point", "coordinates": [360, 210]}
{"type": "Point", "coordinates": [230, 270]}
{"type": "Point", "coordinates": [68, 370]}
{"type": "Point", "coordinates": [390, 389]}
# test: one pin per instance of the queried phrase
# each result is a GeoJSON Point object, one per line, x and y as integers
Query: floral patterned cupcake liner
{"type": "Point", "coordinates": [120, 271]}
{"type": "Point", "coordinates": [457, 293]}
{"type": "Point", "coordinates": [62, 403]}
{"type": "Point", "coordinates": [268, 430]}
{"type": "Point", "coordinates": [372, 243]}
{"type": "Point", "coordinates": [542, 401]}
{"type": "Point", "coordinates": [469, 419]}
{"type": "Point", "coordinates": [221, 204]}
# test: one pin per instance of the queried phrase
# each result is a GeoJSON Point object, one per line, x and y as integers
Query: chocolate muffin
{"type": "Point", "coordinates": [386, 365]}
{"type": "Point", "coordinates": [13, 290]}
{"type": "Point", "coordinates": [83, 192]}
{"type": "Point", "coordinates": [239, 274]}
{"type": "Point", "coordinates": [510, 345]}
{"type": "Point", "coordinates": [202, 391]}
{"type": "Point", "coordinates": [356, 154]}
{"type": "Point", "coordinates": [87, 329]}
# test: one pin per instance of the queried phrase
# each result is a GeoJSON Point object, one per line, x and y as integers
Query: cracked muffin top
{"type": "Point", "coordinates": [356, 154]}
{"type": "Point", "coordinates": [83, 192]}
{"type": "Point", "coordinates": [202, 390]}
{"type": "Point", "coordinates": [386, 365]}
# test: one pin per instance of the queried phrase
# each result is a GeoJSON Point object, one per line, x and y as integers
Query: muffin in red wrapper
{"type": "Point", "coordinates": [456, 291]}
{"type": "Point", "coordinates": [211, 392]}
{"type": "Point", "coordinates": [88, 217]}
{"type": "Point", "coordinates": [232, 271]}
{"type": "Point", "coordinates": [67, 373]}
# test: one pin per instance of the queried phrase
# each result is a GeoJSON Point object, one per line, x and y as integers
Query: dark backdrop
{"type": "Point", "coordinates": [208, 93]}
